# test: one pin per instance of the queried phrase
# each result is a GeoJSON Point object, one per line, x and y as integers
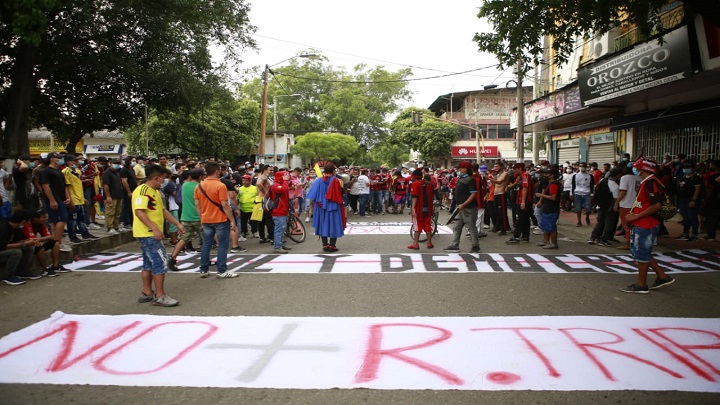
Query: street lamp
{"type": "Point", "coordinates": [263, 109]}
{"type": "Point", "coordinates": [275, 120]}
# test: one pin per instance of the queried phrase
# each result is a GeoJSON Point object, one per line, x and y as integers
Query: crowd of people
{"type": "Point", "coordinates": [217, 205]}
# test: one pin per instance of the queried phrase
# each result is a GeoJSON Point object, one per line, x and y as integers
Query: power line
{"type": "Point", "coordinates": [382, 81]}
{"type": "Point", "coordinates": [362, 57]}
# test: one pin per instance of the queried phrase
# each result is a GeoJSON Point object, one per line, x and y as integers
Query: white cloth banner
{"type": "Point", "coordinates": [483, 353]}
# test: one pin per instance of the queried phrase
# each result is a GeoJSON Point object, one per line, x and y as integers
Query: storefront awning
{"type": "Point", "coordinates": [684, 112]}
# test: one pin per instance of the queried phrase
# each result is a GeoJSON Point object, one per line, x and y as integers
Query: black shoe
{"type": "Point", "coordinates": [475, 249]}
{"type": "Point", "coordinates": [634, 288]}
{"type": "Point", "coordinates": [332, 248]}
{"type": "Point", "coordinates": [90, 237]}
{"type": "Point", "coordinates": [75, 241]}
{"type": "Point", "coordinates": [172, 265]}
{"type": "Point", "coordinates": [660, 282]}
{"type": "Point", "coordinates": [512, 241]}
{"type": "Point", "coordinates": [264, 240]}
{"type": "Point", "coordinates": [50, 272]}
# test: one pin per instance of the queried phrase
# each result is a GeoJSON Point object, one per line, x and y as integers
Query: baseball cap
{"type": "Point", "coordinates": [102, 159]}
{"type": "Point", "coordinates": [519, 165]}
{"type": "Point", "coordinates": [70, 156]}
{"type": "Point", "coordinates": [55, 155]}
{"type": "Point", "coordinates": [648, 165]}
{"type": "Point", "coordinates": [483, 168]}
{"type": "Point", "coordinates": [465, 165]}
{"type": "Point", "coordinates": [22, 157]}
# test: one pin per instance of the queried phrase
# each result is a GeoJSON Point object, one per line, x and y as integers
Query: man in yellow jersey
{"type": "Point", "coordinates": [150, 216]}
{"type": "Point", "coordinates": [76, 205]}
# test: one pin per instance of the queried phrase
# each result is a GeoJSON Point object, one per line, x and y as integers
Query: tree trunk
{"type": "Point", "coordinates": [21, 93]}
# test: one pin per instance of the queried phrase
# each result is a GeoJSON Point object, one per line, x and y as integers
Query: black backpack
{"type": "Point", "coordinates": [603, 196]}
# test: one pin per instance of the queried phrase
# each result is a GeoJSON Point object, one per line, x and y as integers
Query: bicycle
{"type": "Point", "coordinates": [295, 229]}
{"type": "Point", "coordinates": [433, 221]}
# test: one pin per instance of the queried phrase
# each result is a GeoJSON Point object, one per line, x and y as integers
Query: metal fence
{"type": "Point", "coordinates": [698, 142]}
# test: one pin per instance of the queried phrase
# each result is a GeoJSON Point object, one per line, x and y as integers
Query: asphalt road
{"type": "Point", "coordinates": [359, 295]}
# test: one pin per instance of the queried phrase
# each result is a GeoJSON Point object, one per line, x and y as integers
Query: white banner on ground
{"type": "Point", "coordinates": [686, 261]}
{"type": "Point", "coordinates": [484, 353]}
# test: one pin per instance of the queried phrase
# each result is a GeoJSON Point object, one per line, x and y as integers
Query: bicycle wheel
{"type": "Point", "coordinates": [423, 236]}
{"type": "Point", "coordinates": [295, 229]}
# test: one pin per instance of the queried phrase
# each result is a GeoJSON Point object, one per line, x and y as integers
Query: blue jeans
{"type": "Point", "coordinates": [375, 202]}
{"type": "Point", "coordinates": [222, 230]}
{"type": "Point", "coordinates": [280, 224]}
{"type": "Point", "coordinates": [641, 243]}
{"type": "Point", "coordinates": [690, 216]}
{"type": "Point", "coordinates": [154, 255]}
{"type": "Point", "coordinates": [363, 203]}
{"type": "Point", "coordinates": [76, 222]}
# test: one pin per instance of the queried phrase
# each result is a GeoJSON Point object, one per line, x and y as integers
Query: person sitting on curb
{"type": "Point", "coordinates": [36, 230]}
{"type": "Point", "coordinates": [15, 255]}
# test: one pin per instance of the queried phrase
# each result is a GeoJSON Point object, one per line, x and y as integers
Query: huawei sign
{"type": "Point", "coordinates": [471, 151]}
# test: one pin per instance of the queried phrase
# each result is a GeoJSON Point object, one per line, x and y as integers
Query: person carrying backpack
{"type": "Point", "coordinates": [606, 192]}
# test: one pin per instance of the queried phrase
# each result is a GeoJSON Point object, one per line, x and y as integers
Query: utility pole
{"type": "Point", "coordinates": [520, 114]}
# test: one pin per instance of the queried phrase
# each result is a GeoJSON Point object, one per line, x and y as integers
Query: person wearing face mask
{"type": "Point", "coordinates": [56, 195]}
{"type": "Point", "coordinates": [464, 195]}
{"type": "Point", "coordinates": [129, 183]}
{"type": "Point", "coordinates": [567, 203]}
{"type": "Point", "coordinates": [606, 193]}
{"type": "Point", "coordinates": [645, 227]}
{"type": "Point", "coordinates": [26, 195]}
{"type": "Point", "coordinates": [583, 186]}
{"type": "Point", "coordinates": [76, 204]}
{"type": "Point", "coordinates": [114, 194]}
{"type": "Point", "coordinates": [689, 198]}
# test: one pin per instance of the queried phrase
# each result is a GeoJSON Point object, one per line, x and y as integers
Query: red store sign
{"type": "Point", "coordinates": [470, 152]}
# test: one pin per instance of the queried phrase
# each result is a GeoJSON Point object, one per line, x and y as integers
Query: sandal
{"type": "Point", "coordinates": [414, 246]}
{"type": "Point", "coordinates": [430, 245]}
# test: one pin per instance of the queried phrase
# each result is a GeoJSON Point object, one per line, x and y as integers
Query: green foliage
{"type": "Point", "coordinates": [432, 139]}
{"type": "Point", "coordinates": [316, 146]}
{"type": "Point", "coordinates": [519, 25]}
{"type": "Point", "coordinates": [223, 128]}
{"type": "Point", "coordinates": [389, 153]}
{"type": "Point", "coordinates": [529, 141]}
{"type": "Point", "coordinates": [93, 64]}
{"type": "Point", "coordinates": [357, 103]}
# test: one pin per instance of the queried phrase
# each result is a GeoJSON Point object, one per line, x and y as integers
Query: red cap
{"type": "Point", "coordinates": [646, 164]}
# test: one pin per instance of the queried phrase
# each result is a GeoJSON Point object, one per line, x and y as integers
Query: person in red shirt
{"type": "Point", "coordinates": [400, 186]}
{"type": "Point", "coordinates": [645, 227]}
{"type": "Point", "coordinates": [36, 229]}
{"type": "Point", "coordinates": [422, 193]}
{"type": "Point", "coordinates": [279, 191]}
{"type": "Point", "coordinates": [524, 201]}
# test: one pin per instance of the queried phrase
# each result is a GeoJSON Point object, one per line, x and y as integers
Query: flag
{"type": "Point", "coordinates": [317, 170]}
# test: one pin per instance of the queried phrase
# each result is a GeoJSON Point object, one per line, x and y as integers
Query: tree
{"type": "Point", "coordinates": [223, 128]}
{"type": "Point", "coordinates": [390, 153]}
{"type": "Point", "coordinates": [330, 99]}
{"type": "Point", "coordinates": [316, 146]}
{"type": "Point", "coordinates": [432, 138]}
{"type": "Point", "coordinates": [83, 65]}
{"type": "Point", "coordinates": [519, 25]}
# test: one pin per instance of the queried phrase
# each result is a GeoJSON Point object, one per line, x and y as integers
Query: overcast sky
{"type": "Point", "coordinates": [432, 37]}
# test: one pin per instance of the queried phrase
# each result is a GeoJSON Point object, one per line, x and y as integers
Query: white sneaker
{"type": "Point", "coordinates": [241, 238]}
{"type": "Point", "coordinates": [94, 227]}
{"type": "Point", "coordinates": [486, 226]}
{"type": "Point", "coordinates": [65, 248]}
{"type": "Point", "coordinates": [255, 235]}
{"type": "Point", "coordinates": [100, 216]}
{"type": "Point", "coordinates": [113, 232]}
{"type": "Point", "coordinates": [307, 219]}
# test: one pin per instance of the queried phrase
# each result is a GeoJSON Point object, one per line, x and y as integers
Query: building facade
{"type": "Point", "coordinates": [634, 95]}
{"type": "Point", "coordinates": [483, 120]}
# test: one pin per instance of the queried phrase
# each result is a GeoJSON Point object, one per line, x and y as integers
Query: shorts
{"type": "Point", "coordinates": [582, 202]}
{"type": "Point", "coordinates": [45, 246]}
{"type": "Point", "coordinates": [422, 224]}
{"type": "Point", "coordinates": [399, 199]}
{"type": "Point", "coordinates": [641, 243]}
{"type": "Point", "coordinates": [171, 226]}
{"type": "Point", "coordinates": [192, 229]}
{"type": "Point", "coordinates": [154, 255]}
{"type": "Point", "coordinates": [548, 222]}
{"type": "Point", "coordinates": [58, 215]}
